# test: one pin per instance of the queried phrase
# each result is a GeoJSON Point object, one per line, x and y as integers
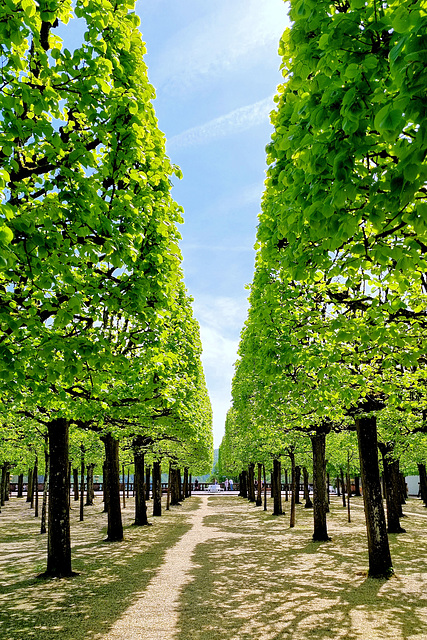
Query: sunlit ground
{"type": "Point", "coordinates": [256, 578]}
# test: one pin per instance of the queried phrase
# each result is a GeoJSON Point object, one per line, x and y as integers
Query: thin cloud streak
{"type": "Point", "coordinates": [219, 42]}
{"type": "Point", "coordinates": [236, 121]}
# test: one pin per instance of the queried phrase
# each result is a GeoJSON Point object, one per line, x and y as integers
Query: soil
{"type": "Point", "coordinates": [215, 568]}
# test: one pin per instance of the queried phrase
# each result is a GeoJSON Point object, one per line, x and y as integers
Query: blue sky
{"type": "Point", "coordinates": [215, 68]}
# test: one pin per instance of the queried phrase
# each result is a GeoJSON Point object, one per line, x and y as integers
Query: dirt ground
{"type": "Point", "coordinates": [215, 568]}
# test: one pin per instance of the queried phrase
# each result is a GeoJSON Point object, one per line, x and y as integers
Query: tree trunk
{"type": "Point", "coordinates": [157, 489]}
{"type": "Point", "coordinates": [123, 486]}
{"type": "Point", "coordinates": [20, 485]}
{"type": "Point", "coordinates": [276, 481]}
{"type": "Point", "coordinates": [244, 484]}
{"type": "Point", "coordinates": [357, 486]}
{"type": "Point", "coordinates": [185, 487]}
{"type": "Point", "coordinates": [258, 502]}
{"type": "Point", "coordinates": [115, 526]}
{"type": "Point", "coordinates": [404, 489]}
{"type": "Point", "coordinates": [392, 489]}
{"type": "Point", "coordinates": [338, 486]}
{"type": "Point", "coordinates": [90, 493]}
{"type": "Point", "coordinates": [251, 482]}
{"type": "Point", "coordinates": [7, 488]}
{"type": "Point", "coordinates": [147, 482]}
{"type": "Point", "coordinates": [297, 484]}
{"type": "Point", "coordinates": [423, 482]}
{"type": "Point", "coordinates": [76, 484]}
{"type": "Point", "coordinates": [308, 502]}
{"type": "Point", "coordinates": [174, 487]}
{"type": "Point", "coordinates": [3, 483]}
{"type": "Point", "coordinates": [140, 504]}
{"type": "Point", "coordinates": [380, 564]}
{"type": "Point", "coordinates": [168, 495]}
{"type": "Point", "coordinates": [348, 488]}
{"type": "Point", "coordinates": [30, 486]}
{"type": "Point", "coordinates": [128, 483]}
{"type": "Point", "coordinates": [318, 444]}
{"type": "Point", "coordinates": [105, 486]}
{"type": "Point", "coordinates": [343, 487]}
{"type": "Point", "coordinates": [36, 489]}
{"type": "Point", "coordinates": [45, 489]}
{"type": "Point", "coordinates": [286, 485]}
{"type": "Point", "coordinates": [293, 489]}
{"type": "Point", "coordinates": [82, 482]}
{"type": "Point", "coordinates": [328, 494]}
{"type": "Point", "coordinates": [59, 544]}
{"type": "Point", "coordinates": [178, 479]}
{"type": "Point", "coordinates": [265, 488]}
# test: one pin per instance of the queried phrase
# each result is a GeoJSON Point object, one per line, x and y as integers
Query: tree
{"type": "Point", "coordinates": [88, 226]}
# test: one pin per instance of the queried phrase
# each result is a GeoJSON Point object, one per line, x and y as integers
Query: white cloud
{"type": "Point", "coordinates": [219, 40]}
{"type": "Point", "coordinates": [236, 121]}
{"type": "Point", "coordinates": [221, 319]}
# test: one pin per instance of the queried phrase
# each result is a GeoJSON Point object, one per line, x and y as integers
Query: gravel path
{"type": "Point", "coordinates": [154, 615]}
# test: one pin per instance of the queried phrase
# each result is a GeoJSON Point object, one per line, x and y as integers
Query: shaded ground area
{"type": "Point", "coordinates": [230, 572]}
{"type": "Point", "coordinates": [111, 575]}
{"type": "Point", "coordinates": [271, 582]}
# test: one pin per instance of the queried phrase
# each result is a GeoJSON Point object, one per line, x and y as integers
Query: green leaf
{"type": "Point", "coordinates": [6, 234]}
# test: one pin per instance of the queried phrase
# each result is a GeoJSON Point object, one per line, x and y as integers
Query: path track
{"type": "Point", "coordinates": [154, 615]}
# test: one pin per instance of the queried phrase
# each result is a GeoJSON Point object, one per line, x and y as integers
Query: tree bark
{"type": "Point", "coordinates": [157, 489]}
{"type": "Point", "coordinates": [308, 502]}
{"type": "Point", "coordinates": [338, 486]}
{"type": "Point", "coordinates": [168, 495]}
{"type": "Point", "coordinates": [105, 486]}
{"type": "Point", "coordinates": [404, 488]}
{"type": "Point", "coordinates": [357, 486]}
{"type": "Point", "coordinates": [59, 544]}
{"type": "Point", "coordinates": [82, 482]}
{"type": "Point", "coordinates": [20, 485]}
{"type": "Point", "coordinates": [185, 487]}
{"type": "Point", "coordinates": [30, 486]}
{"type": "Point", "coordinates": [7, 488]}
{"type": "Point", "coordinates": [123, 486]}
{"type": "Point", "coordinates": [423, 482]}
{"type": "Point", "coordinates": [342, 487]}
{"type": "Point", "coordinates": [265, 488]}
{"type": "Point", "coordinates": [90, 493]}
{"type": "Point", "coordinates": [392, 489]}
{"type": "Point", "coordinates": [251, 482]}
{"type": "Point", "coordinates": [276, 478]}
{"type": "Point", "coordinates": [380, 563]}
{"type": "Point", "coordinates": [258, 502]}
{"type": "Point", "coordinates": [115, 526]}
{"type": "Point", "coordinates": [76, 484]}
{"type": "Point", "coordinates": [286, 486]}
{"type": "Point", "coordinates": [36, 488]}
{"type": "Point", "coordinates": [45, 489]}
{"type": "Point", "coordinates": [293, 489]}
{"type": "Point", "coordinates": [318, 444]}
{"type": "Point", "coordinates": [244, 484]}
{"type": "Point", "coordinates": [3, 482]}
{"type": "Point", "coordinates": [147, 482]}
{"type": "Point", "coordinates": [174, 487]}
{"type": "Point", "coordinates": [297, 484]}
{"type": "Point", "coordinates": [140, 504]}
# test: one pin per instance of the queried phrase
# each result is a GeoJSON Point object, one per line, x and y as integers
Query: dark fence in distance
{"type": "Point", "coordinates": [98, 487]}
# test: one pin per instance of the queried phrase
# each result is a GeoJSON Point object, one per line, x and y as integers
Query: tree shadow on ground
{"type": "Point", "coordinates": [269, 582]}
{"type": "Point", "coordinates": [111, 576]}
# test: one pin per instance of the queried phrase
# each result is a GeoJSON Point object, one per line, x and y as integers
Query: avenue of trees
{"type": "Point", "coordinates": [97, 338]}
{"type": "Point", "coordinates": [334, 343]}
